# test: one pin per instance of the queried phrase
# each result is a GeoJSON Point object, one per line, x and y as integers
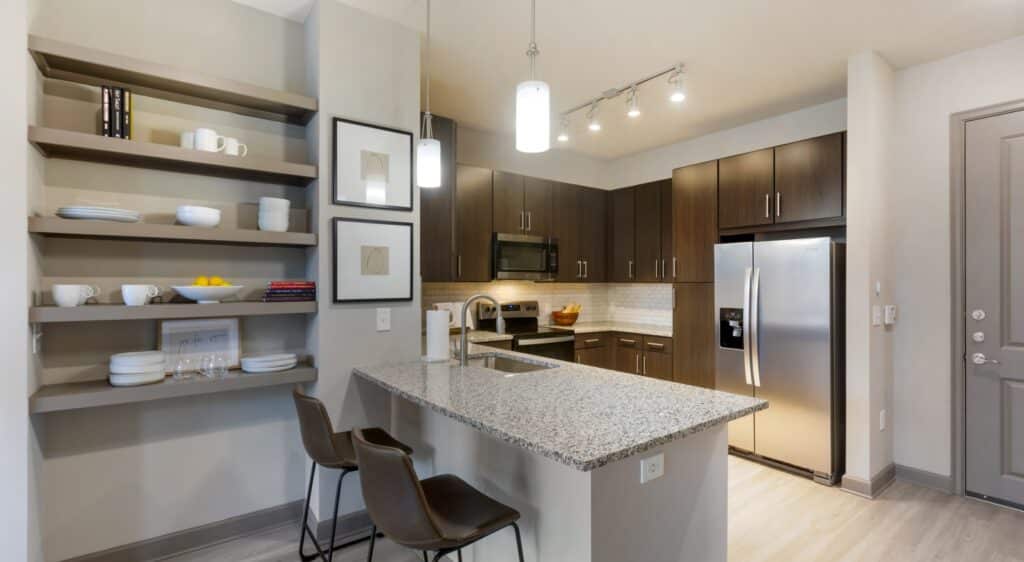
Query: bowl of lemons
{"type": "Point", "coordinates": [207, 290]}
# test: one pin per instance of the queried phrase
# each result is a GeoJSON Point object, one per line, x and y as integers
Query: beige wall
{"type": "Point", "coordinates": [498, 152]}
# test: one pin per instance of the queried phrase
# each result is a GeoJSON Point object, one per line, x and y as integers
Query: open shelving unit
{"type": "Point", "coordinates": [113, 312]}
{"type": "Point", "coordinates": [92, 394]}
{"type": "Point", "coordinates": [55, 226]}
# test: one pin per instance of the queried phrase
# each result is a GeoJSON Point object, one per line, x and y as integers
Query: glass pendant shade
{"type": "Point", "coordinates": [428, 163]}
{"type": "Point", "coordinates": [533, 116]}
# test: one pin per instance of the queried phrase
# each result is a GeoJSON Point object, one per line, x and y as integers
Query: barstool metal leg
{"type": "Point", "coordinates": [519, 542]}
{"type": "Point", "coordinates": [305, 527]}
{"type": "Point", "coordinates": [459, 553]}
{"type": "Point", "coordinates": [373, 540]}
{"type": "Point", "coordinates": [334, 522]}
{"type": "Point", "coordinates": [425, 556]}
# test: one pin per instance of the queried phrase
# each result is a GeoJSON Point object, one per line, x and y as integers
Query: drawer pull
{"type": "Point", "coordinates": [628, 342]}
{"type": "Point", "coordinates": [592, 340]}
{"type": "Point", "coordinates": [656, 345]}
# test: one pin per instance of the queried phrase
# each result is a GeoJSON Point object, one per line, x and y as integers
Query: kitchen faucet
{"type": "Point", "coordinates": [463, 356]}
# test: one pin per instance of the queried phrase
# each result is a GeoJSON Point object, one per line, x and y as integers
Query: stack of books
{"type": "Point", "coordinates": [116, 112]}
{"type": "Point", "coordinates": [290, 291]}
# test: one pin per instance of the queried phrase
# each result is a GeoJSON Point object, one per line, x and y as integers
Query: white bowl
{"type": "Point", "coordinates": [191, 215]}
{"type": "Point", "coordinates": [206, 295]}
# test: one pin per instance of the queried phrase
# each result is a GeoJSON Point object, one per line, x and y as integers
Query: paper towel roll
{"type": "Point", "coordinates": [437, 335]}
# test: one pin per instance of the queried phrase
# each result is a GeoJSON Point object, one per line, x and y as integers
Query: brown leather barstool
{"type": "Point", "coordinates": [442, 513]}
{"type": "Point", "coordinates": [328, 449]}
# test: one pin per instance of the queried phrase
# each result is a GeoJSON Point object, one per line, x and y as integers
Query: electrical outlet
{"type": "Point", "coordinates": [876, 315]}
{"type": "Point", "coordinates": [881, 420]}
{"type": "Point", "coordinates": [383, 319]}
{"type": "Point", "coordinates": [652, 468]}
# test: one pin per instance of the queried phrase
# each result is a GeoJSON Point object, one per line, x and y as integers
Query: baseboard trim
{"type": "Point", "coordinates": [870, 489]}
{"type": "Point", "coordinates": [198, 537]}
{"type": "Point", "coordinates": [925, 478]}
{"type": "Point", "coordinates": [351, 527]}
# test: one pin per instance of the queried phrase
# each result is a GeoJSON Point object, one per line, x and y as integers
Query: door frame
{"type": "Point", "coordinates": [958, 242]}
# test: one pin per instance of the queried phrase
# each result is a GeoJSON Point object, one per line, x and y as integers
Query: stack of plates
{"type": "Point", "coordinates": [137, 367]}
{"type": "Point", "coordinates": [269, 363]}
{"type": "Point", "coordinates": [98, 213]}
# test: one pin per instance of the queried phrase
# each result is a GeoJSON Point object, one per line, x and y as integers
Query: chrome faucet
{"type": "Point", "coordinates": [463, 354]}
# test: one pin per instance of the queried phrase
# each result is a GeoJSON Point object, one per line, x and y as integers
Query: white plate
{"type": "Point", "coordinates": [267, 365]}
{"type": "Point", "coordinates": [271, 357]}
{"type": "Point", "coordinates": [108, 210]}
{"type": "Point", "coordinates": [66, 210]}
{"type": "Point", "coordinates": [285, 367]}
{"type": "Point", "coordinates": [119, 369]}
{"type": "Point", "coordinates": [136, 379]}
{"type": "Point", "coordinates": [132, 358]}
{"type": "Point", "coordinates": [204, 295]}
{"type": "Point", "coordinates": [99, 217]}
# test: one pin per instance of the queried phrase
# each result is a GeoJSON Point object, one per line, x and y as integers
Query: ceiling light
{"type": "Point", "coordinates": [563, 133]}
{"type": "Point", "coordinates": [676, 80]}
{"type": "Point", "coordinates": [533, 102]}
{"type": "Point", "coordinates": [594, 125]}
{"type": "Point", "coordinates": [634, 103]}
{"type": "Point", "coordinates": [428, 149]}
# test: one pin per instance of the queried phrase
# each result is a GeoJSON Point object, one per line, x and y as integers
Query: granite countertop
{"type": "Point", "coordinates": [581, 416]}
{"type": "Point", "coordinates": [613, 326]}
{"type": "Point", "coordinates": [484, 336]}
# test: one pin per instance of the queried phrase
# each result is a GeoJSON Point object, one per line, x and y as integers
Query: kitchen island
{"type": "Point", "coordinates": [564, 445]}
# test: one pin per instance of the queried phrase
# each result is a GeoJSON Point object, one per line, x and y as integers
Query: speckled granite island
{"type": "Point", "coordinates": [564, 446]}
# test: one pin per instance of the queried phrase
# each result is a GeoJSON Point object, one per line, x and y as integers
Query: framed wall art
{"type": "Point", "coordinates": [372, 166]}
{"type": "Point", "coordinates": [372, 260]}
{"type": "Point", "coordinates": [191, 340]}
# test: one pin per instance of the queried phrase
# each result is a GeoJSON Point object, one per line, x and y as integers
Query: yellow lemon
{"type": "Point", "coordinates": [218, 281]}
{"type": "Point", "coordinates": [201, 281]}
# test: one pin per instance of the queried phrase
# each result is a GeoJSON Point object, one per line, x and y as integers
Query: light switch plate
{"type": "Point", "coordinates": [890, 314]}
{"type": "Point", "coordinates": [876, 315]}
{"type": "Point", "coordinates": [383, 319]}
{"type": "Point", "coordinates": [652, 468]}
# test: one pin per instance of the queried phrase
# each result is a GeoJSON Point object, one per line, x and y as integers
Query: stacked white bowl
{"type": "Point", "coordinates": [136, 367]}
{"type": "Point", "coordinates": [269, 363]}
{"type": "Point", "coordinates": [192, 215]}
{"type": "Point", "coordinates": [274, 214]}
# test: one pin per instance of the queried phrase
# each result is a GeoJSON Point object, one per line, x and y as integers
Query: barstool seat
{"type": "Point", "coordinates": [461, 512]}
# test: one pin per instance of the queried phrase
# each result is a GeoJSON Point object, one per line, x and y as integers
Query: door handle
{"type": "Point", "coordinates": [767, 205]}
{"type": "Point", "coordinates": [673, 267]}
{"type": "Point", "coordinates": [579, 269]}
{"type": "Point", "coordinates": [529, 221]}
{"type": "Point", "coordinates": [459, 266]}
{"type": "Point", "coordinates": [586, 269]}
{"type": "Point", "coordinates": [645, 364]}
{"type": "Point", "coordinates": [778, 203]}
{"type": "Point", "coordinates": [755, 298]}
{"type": "Point", "coordinates": [522, 220]}
{"type": "Point", "coordinates": [637, 369]}
{"type": "Point", "coordinates": [656, 275]}
{"type": "Point", "coordinates": [746, 333]}
{"type": "Point", "coordinates": [630, 275]}
{"type": "Point", "coordinates": [980, 359]}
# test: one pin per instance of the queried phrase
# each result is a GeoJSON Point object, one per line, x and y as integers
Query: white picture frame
{"type": "Point", "coordinates": [372, 166]}
{"type": "Point", "coordinates": [373, 260]}
{"type": "Point", "coordinates": [193, 339]}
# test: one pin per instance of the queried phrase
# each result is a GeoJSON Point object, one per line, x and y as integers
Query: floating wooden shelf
{"type": "Point", "coordinates": [92, 394]}
{"type": "Point", "coordinates": [74, 63]}
{"type": "Point", "coordinates": [56, 226]}
{"type": "Point", "coordinates": [74, 145]}
{"type": "Point", "coordinates": [109, 312]}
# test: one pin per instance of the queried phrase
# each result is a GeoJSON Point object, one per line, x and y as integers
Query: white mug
{"type": "Point", "coordinates": [187, 140]}
{"type": "Point", "coordinates": [73, 295]}
{"type": "Point", "coordinates": [138, 295]}
{"type": "Point", "coordinates": [209, 140]}
{"type": "Point", "coordinates": [233, 147]}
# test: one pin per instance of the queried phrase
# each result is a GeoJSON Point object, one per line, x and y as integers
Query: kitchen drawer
{"type": "Point", "coordinates": [657, 344]}
{"type": "Point", "coordinates": [587, 341]}
{"type": "Point", "coordinates": [628, 341]}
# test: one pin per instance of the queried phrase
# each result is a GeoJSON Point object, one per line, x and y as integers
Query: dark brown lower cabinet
{"type": "Point", "coordinates": [594, 350]}
{"type": "Point", "coordinates": [657, 358]}
{"type": "Point", "coordinates": [627, 353]}
{"type": "Point", "coordinates": [693, 334]}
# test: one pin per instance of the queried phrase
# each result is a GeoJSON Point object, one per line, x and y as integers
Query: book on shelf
{"type": "Point", "coordinates": [126, 125]}
{"type": "Point", "coordinates": [286, 298]}
{"type": "Point", "coordinates": [116, 112]}
{"type": "Point", "coordinates": [105, 110]}
{"type": "Point", "coordinates": [270, 292]}
{"type": "Point", "coordinates": [291, 284]}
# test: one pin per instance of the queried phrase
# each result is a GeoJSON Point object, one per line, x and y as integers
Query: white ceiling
{"type": "Point", "coordinates": [746, 59]}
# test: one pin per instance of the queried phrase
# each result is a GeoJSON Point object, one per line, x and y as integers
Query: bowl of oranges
{"type": "Point", "coordinates": [207, 290]}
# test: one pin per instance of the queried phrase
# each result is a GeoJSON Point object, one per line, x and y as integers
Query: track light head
{"type": "Point", "coordinates": [676, 80]}
{"type": "Point", "coordinates": [634, 103]}
{"type": "Point", "coordinates": [593, 124]}
{"type": "Point", "coordinates": [563, 132]}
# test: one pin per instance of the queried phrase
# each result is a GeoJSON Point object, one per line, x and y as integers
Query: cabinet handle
{"type": "Point", "coordinates": [630, 269]}
{"type": "Point", "coordinates": [673, 267]}
{"type": "Point", "coordinates": [579, 269]}
{"type": "Point", "coordinates": [459, 259]}
{"type": "Point", "coordinates": [656, 345]}
{"type": "Point", "coordinates": [522, 220]}
{"type": "Point", "coordinates": [767, 205]}
{"type": "Point", "coordinates": [579, 357]}
{"type": "Point", "coordinates": [592, 340]}
{"type": "Point", "coordinates": [656, 275]}
{"type": "Point", "coordinates": [645, 364]}
{"type": "Point", "coordinates": [778, 203]}
{"type": "Point", "coordinates": [529, 221]}
{"type": "Point", "coordinates": [637, 369]}
{"type": "Point", "coordinates": [586, 269]}
{"type": "Point", "coordinates": [625, 341]}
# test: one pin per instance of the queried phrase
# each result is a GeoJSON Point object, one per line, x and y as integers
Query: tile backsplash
{"type": "Point", "coordinates": [640, 303]}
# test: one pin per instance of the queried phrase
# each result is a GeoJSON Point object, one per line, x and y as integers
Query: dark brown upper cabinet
{"type": "Point", "coordinates": [648, 232]}
{"type": "Point", "coordinates": [695, 224]}
{"type": "Point", "coordinates": [593, 212]}
{"type": "Point", "coordinates": [437, 219]}
{"type": "Point", "coordinates": [522, 205]}
{"type": "Point", "coordinates": [746, 189]}
{"type": "Point", "coordinates": [473, 227]}
{"type": "Point", "coordinates": [621, 235]}
{"type": "Point", "coordinates": [580, 226]}
{"type": "Point", "coordinates": [809, 179]}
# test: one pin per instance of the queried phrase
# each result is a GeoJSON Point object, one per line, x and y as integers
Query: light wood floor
{"type": "Point", "coordinates": [774, 516]}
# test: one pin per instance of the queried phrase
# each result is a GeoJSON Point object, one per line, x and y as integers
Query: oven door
{"type": "Point", "coordinates": [553, 346]}
{"type": "Point", "coordinates": [531, 258]}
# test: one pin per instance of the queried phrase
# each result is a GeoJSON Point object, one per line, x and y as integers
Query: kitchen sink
{"type": "Point", "coordinates": [507, 364]}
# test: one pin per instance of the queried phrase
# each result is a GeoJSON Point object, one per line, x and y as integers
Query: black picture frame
{"type": "Point", "coordinates": [334, 259]}
{"type": "Point", "coordinates": [334, 166]}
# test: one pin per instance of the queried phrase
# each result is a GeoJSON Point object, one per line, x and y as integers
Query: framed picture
{"type": "Point", "coordinates": [372, 166]}
{"type": "Point", "coordinates": [372, 260]}
{"type": "Point", "coordinates": [193, 339]}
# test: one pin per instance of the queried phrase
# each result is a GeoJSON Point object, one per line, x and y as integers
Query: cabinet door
{"type": "Point", "coordinates": [695, 224]}
{"type": "Point", "coordinates": [809, 179]}
{"type": "Point", "coordinates": [537, 206]}
{"type": "Point", "coordinates": [509, 217]}
{"type": "Point", "coordinates": [437, 215]}
{"type": "Point", "coordinates": [668, 252]}
{"type": "Point", "coordinates": [648, 232]}
{"type": "Point", "coordinates": [657, 365]}
{"type": "Point", "coordinates": [593, 233]}
{"type": "Point", "coordinates": [472, 224]}
{"type": "Point", "coordinates": [621, 261]}
{"type": "Point", "coordinates": [627, 353]}
{"type": "Point", "coordinates": [566, 204]}
{"type": "Point", "coordinates": [693, 334]}
{"type": "Point", "coordinates": [745, 189]}
{"type": "Point", "coordinates": [594, 357]}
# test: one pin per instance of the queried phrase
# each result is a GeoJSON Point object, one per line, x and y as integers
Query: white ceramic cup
{"type": "Point", "coordinates": [235, 148]}
{"type": "Point", "coordinates": [138, 295]}
{"type": "Point", "coordinates": [187, 140]}
{"type": "Point", "coordinates": [67, 295]}
{"type": "Point", "coordinates": [274, 221]}
{"type": "Point", "coordinates": [209, 140]}
{"type": "Point", "coordinates": [274, 205]}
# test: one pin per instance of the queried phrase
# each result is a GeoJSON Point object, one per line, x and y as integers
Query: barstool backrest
{"type": "Point", "coordinates": [392, 493]}
{"type": "Point", "coordinates": [315, 426]}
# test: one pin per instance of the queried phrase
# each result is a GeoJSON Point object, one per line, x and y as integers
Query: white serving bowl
{"type": "Point", "coordinates": [207, 295]}
{"type": "Point", "coordinates": [191, 215]}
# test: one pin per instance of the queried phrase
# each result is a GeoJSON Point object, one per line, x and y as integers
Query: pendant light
{"type": "Point", "coordinates": [533, 101]}
{"type": "Point", "coordinates": [428, 149]}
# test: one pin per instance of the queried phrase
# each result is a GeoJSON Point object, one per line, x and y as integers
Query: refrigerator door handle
{"type": "Point", "coordinates": [754, 328]}
{"type": "Point", "coordinates": [746, 328]}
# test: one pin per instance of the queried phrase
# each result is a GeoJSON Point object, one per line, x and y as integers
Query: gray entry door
{"type": "Point", "coordinates": [994, 259]}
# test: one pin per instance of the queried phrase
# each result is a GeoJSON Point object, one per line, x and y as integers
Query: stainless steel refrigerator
{"type": "Point", "coordinates": [779, 319]}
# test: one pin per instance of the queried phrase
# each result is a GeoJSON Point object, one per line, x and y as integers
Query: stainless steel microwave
{"type": "Point", "coordinates": [531, 258]}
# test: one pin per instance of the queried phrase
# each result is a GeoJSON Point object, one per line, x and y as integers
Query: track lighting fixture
{"type": "Point", "coordinates": [593, 124]}
{"type": "Point", "coordinates": [533, 101]}
{"type": "Point", "coordinates": [563, 133]}
{"type": "Point", "coordinates": [676, 80]}
{"type": "Point", "coordinates": [634, 103]}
